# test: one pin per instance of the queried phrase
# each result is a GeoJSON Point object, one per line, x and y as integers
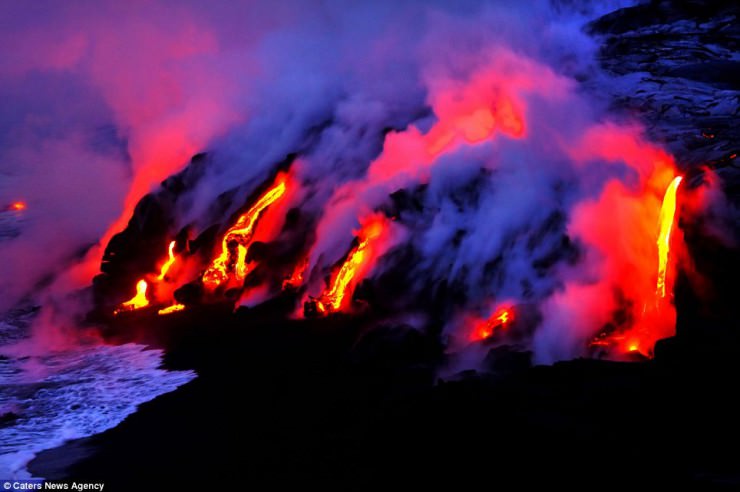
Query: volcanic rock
{"type": "Point", "coordinates": [674, 63]}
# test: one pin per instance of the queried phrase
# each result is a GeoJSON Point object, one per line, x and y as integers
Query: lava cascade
{"type": "Point", "coordinates": [230, 263]}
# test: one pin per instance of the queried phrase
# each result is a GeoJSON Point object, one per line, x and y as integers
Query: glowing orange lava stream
{"type": "Point", "coordinates": [332, 299]}
{"type": "Point", "coordinates": [667, 213]}
{"type": "Point", "coordinates": [170, 261]}
{"type": "Point", "coordinates": [501, 318]}
{"type": "Point", "coordinates": [171, 309]}
{"type": "Point", "coordinates": [240, 233]}
{"type": "Point", "coordinates": [138, 301]}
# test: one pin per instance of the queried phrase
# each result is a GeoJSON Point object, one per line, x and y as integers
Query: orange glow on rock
{"type": "Point", "coordinates": [171, 309]}
{"type": "Point", "coordinates": [231, 261]}
{"type": "Point", "coordinates": [170, 261]}
{"type": "Point", "coordinates": [138, 301]}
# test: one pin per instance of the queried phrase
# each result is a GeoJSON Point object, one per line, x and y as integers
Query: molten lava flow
{"type": "Point", "coordinates": [501, 318]}
{"type": "Point", "coordinates": [169, 262]}
{"type": "Point", "coordinates": [241, 262]}
{"type": "Point", "coordinates": [343, 281]}
{"type": "Point", "coordinates": [138, 301]}
{"type": "Point", "coordinates": [171, 309]}
{"type": "Point", "coordinates": [667, 213]}
{"type": "Point", "coordinates": [240, 234]}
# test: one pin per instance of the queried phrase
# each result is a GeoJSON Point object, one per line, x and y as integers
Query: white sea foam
{"type": "Point", "coordinates": [74, 394]}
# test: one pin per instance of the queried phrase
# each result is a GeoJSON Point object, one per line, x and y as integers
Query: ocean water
{"type": "Point", "coordinates": [72, 394]}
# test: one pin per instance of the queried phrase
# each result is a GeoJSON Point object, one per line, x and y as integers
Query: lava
{"type": "Point", "coordinates": [235, 243]}
{"type": "Point", "coordinates": [339, 292]}
{"type": "Point", "coordinates": [501, 318]}
{"type": "Point", "coordinates": [170, 261]}
{"type": "Point", "coordinates": [667, 213]}
{"type": "Point", "coordinates": [240, 269]}
{"type": "Point", "coordinates": [138, 301]}
{"type": "Point", "coordinates": [296, 277]}
{"type": "Point", "coordinates": [171, 309]}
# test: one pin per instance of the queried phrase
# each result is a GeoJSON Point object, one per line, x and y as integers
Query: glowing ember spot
{"type": "Point", "coordinates": [16, 207]}
{"type": "Point", "coordinates": [240, 234]}
{"type": "Point", "coordinates": [138, 301]}
{"type": "Point", "coordinates": [343, 280]}
{"type": "Point", "coordinates": [501, 318]}
{"type": "Point", "coordinates": [169, 262]}
{"type": "Point", "coordinates": [633, 348]}
{"type": "Point", "coordinates": [171, 309]}
{"type": "Point", "coordinates": [667, 213]}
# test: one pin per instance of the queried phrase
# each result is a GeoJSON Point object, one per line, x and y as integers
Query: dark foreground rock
{"type": "Point", "coordinates": [313, 404]}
